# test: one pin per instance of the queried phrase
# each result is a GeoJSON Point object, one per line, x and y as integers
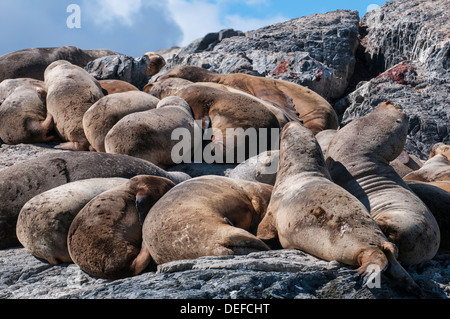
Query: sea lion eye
{"type": "Point", "coordinates": [398, 121]}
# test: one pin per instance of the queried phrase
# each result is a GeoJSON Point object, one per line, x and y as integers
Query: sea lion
{"type": "Point", "coordinates": [440, 148]}
{"type": "Point", "coordinates": [261, 168]}
{"type": "Point", "coordinates": [406, 163]}
{"type": "Point", "coordinates": [358, 159]}
{"type": "Point", "coordinates": [231, 117]}
{"type": "Point", "coordinates": [435, 169]}
{"type": "Point", "coordinates": [324, 138]}
{"type": "Point", "coordinates": [106, 112]}
{"type": "Point", "coordinates": [105, 238]}
{"type": "Point", "coordinates": [24, 117]}
{"type": "Point", "coordinates": [44, 221]}
{"type": "Point", "coordinates": [309, 212]}
{"type": "Point", "coordinates": [71, 92]}
{"type": "Point", "coordinates": [31, 63]}
{"type": "Point", "coordinates": [438, 201]}
{"type": "Point", "coordinates": [116, 86]}
{"type": "Point", "coordinates": [169, 87]}
{"type": "Point", "coordinates": [22, 181]}
{"type": "Point", "coordinates": [295, 100]}
{"type": "Point", "coordinates": [206, 216]}
{"type": "Point", "coordinates": [157, 62]}
{"type": "Point", "coordinates": [148, 135]}
{"type": "Point", "coordinates": [10, 85]}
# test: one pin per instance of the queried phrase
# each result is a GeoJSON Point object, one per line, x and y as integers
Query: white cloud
{"type": "Point", "coordinates": [106, 12]}
{"type": "Point", "coordinates": [198, 17]}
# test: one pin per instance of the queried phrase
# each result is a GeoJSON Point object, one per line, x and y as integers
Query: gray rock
{"type": "Point", "coordinates": [424, 100]}
{"type": "Point", "coordinates": [275, 274]}
{"type": "Point", "coordinates": [315, 51]}
{"type": "Point", "coordinates": [120, 67]}
{"type": "Point", "coordinates": [412, 30]}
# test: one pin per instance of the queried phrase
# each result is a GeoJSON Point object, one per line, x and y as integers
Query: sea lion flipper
{"type": "Point", "coordinates": [398, 273]}
{"type": "Point", "coordinates": [267, 231]}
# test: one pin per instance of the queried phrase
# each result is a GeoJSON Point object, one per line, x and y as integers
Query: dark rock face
{"type": "Point", "coordinates": [407, 44]}
{"type": "Point", "coordinates": [316, 51]}
{"type": "Point", "coordinates": [120, 67]}
{"type": "Point", "coordinates": [413, 30]}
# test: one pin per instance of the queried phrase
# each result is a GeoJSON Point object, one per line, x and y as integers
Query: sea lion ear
{"type": "Point", "coordinates": [42, 93]}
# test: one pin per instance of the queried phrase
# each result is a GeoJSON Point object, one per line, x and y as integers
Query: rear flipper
{"type": "Point", "coordinates": [373, 262]}
{"type": "Point", "coordinates": [399, 274]}
{"type": "Point", "coordinates": [238, 241]}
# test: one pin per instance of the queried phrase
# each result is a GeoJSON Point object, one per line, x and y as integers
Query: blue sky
{"type": "Point", "coordinates": [134, 27]}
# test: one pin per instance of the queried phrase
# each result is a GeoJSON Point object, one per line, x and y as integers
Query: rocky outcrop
{"type": "Point", "coordinates": [415, 30]}
{"type": "Point", "coordinates": [317, 51]}
{"type": "Point", "coordinates": [400, 50]}
{"type": "Point", "coordinates": [120, 67]}
{"type": "Point", "coordinates": [406, 44]}
{"type": "Point", "coordinates": [267, 275]}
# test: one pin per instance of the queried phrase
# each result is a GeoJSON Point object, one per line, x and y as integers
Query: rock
{"type": "Point", "coordinates": [407, 44]}
{"type": "Point", "coordinates": [120, 67]}
{"type": "Point", "coordinates": [316, 51]}
{"type": "Point", "coordinates": [267, 275]}
{"type": "Point", "coordinates": [409, 30]}
{"type": "Point", "coordinates": [425, 101]}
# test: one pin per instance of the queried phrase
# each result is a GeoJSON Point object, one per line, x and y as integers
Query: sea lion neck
{"type": "Point", "coordinates": [300, 152]}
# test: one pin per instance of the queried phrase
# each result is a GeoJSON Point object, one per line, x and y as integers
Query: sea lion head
{"type": "Point", "coordinates": [148, 189]}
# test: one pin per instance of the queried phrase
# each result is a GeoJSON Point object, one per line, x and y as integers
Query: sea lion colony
{"type": "Point", "coordinates": [109, 205]}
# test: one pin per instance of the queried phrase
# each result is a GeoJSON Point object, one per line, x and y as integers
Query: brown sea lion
{"type": "Point", "coordinates": [358, 159]}
{"type": "Point", "coordinates": [44, 221]}
{"type": "Point", "coordinates": [295, 100]}
{"type": "Point", "coordinates": [170, 86]}
{"type": "Point", "coordinates": [157, 62]}
{"type": "Point", "coordinates": [105, 238]}
{"type": "Point", "coordinates": [435, 169]}
{"type": "Point", "coordinates": [406, 163]}
{"type": "Point", "coordinates": [233, 112]}
{"type": "Point", "coordinates": [308, 211]}
{"type": "Point", "coordinates": [31, 63]}
{"type": "Point", "coordinates": [148, 134]}
{"type": "Point", "coordinates": [24, 117]}
{"type": "Point", "coordinates": [116, 86]}
{"type": "Point", "coordinates": [438, 201]}
{"type": "Point", "coordinates": [21, 182]}
{"type": "Point", "coordinates": [71, 91]}
{"type": "Point", "coordinates": [440, 148]}
{"type": "Point", "coordinates": [8, 86]}
{"type": "Point", "coordinates": [207, 216]}
{"type": "Point", "coordinates": [324, 138]}
{"type": "Point", "coordinates": [106, 112]}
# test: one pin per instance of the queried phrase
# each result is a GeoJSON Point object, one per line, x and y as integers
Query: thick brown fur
{"type": "Point", "coordinates": [71, 91]}
{"type": "Point", "coordinates": [116, 86]}
{"type": "Point", "coordinates": [148, 134]}
{"type": "Point", "coordinates": [105, 238]}
{"type": "Point", "coordinates": [308, 211]}
{"type": "Point", "coordinates": [206, 216]}
{"type": "Point", "coordinates": [106, 112]}
{"type": "Point", "coordinates": [435, 169]}
{"type": "Point", "coordinates": [23, 114]}
{"type": "Point", "coordinates": [295, 100]}
{"type": "Point", "coordinates": [45, 219]}
{"type": "Point", "coordinates": [22, 181]}
{"type": "Point", "coordinates": [358, 158]}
